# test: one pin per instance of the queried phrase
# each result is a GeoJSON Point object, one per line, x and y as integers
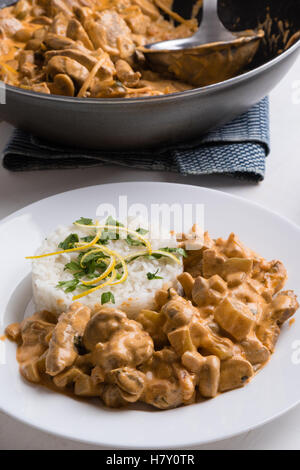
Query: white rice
{"type": "Point", "coordinates": [135, 293]}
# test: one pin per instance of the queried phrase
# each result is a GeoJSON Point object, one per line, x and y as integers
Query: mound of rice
{"type": "Point", "coordinates": [135, 293]}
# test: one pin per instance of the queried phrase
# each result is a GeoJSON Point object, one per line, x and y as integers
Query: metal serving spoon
{"type": "Point", "coordinates": [211, 55]}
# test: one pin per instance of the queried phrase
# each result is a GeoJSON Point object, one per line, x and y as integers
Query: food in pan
{"type": "Point", "coordinates": [95, 48]}
{"type": "Point", "coordinates": [209, 335]}
{"type": "Point", "coordinates": [87, 48]}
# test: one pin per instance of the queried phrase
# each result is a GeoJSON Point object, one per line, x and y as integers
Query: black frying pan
{"type": "Point", "coordinates": [153, 121]}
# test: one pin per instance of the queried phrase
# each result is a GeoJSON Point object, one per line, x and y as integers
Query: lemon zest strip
{"type": "Point", "coordinates": [103, 275]}
{"type": "Point", "coordinates": [71, 250]}
{"type": "Point", "coordinates": [155, 252]}
{"type": "Point", "coordinates": [107, 283]}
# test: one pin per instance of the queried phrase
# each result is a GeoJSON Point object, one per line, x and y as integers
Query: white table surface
{"type": "Point", "coordinates": [280, 192]}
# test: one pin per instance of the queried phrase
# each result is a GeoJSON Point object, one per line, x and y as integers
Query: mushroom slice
{"type": "Point", "coordinates": [62, 351]}
{"type": "Point", "coordinates": [106, 69]}
{"type": "Point", "coordinates": [162, 393]}
{"type": "Point", "coordinates": [53, 41]}
{"type": "Point", "coordinates": [187, 282]}
{"type": "Point", "coordinates": [126, 74]}
{"type": "Point", "coordinates": [87, 60]}
{"type": "Point", "coordinates": [65, 65]}
{"type": "Point", "coordinates": [57, 6]}
{"type": "Point", "coordinates": [283, 306]}
{"type": "Point", "coordinates": [86, 387]}
{"type": "Point", "coordinates": [102, 325]}
{"type": "Point", "coordinates": [187, 383]}
{"type": "Point", "coordinates": [255, 351]}
{"type": "Point", "coordinates": [30, 371]}
{"type": "Point", "coordinates": [67, 377]}
{"type": "Point", "coordinates": [207, 370]}
{"type": "Point", "coordinates": [59, 25]}
{"type": "Point", "coordinates": [111, 396]}
{"type": "Point", "coordinates": [235, 373]}
{"type": "Point", "coordinates": [76, 32]}
{"type": "Point", "coordinates": [131, 383]}
{"type": "Point", "coordinates": [35, 333]}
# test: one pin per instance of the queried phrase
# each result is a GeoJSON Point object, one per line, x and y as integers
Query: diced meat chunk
{"type": "Point", "coordinates": [255, 351]}
{"type": "Point", "coordinates": [209, 291]}
{"type": "Point", "coordinates": [62, 350]}
{"type": "Point", "coordinates": [207, 371]}
{"type": "Point", "coordinates": [111, 33]}
{"type": "Point", "coordinates": [14, 332]}
{"type": "Point", "coordinates": [284, 306]}
{"type": "Point", "coordinates": [235, 318]}
{"type": "Point", "coordinates": [10, 26]}
{"type": "Point", "coordinates": [116, 341]}
{"type": "Point", "coordinates": [209, 377]}
{"type": "Point", "coordinates": [209, 342]}
{"type": "Point", "coordinates": [212, 263]}
{"type": "Point", "coordinates": [102, 326]}
{"type": "Point", "coordinates": [36, 331]}
{"type": "Point", "coordinates": [180, 339]}
{"type": "Point", "coordinates": [237, 265]}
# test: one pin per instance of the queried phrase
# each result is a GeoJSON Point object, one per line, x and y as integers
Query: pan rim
{"type": "Point", "coordinates": [157, 99]}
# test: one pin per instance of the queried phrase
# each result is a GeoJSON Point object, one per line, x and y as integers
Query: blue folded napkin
{"type": "Point", "coordinates": [238, 149]}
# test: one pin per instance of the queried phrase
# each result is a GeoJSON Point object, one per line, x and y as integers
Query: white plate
{"type": "Point", "coordinates": [273, 391]}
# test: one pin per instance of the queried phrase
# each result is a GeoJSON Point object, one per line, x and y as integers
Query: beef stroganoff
{"type": "Point", "coordinates": [88, 48]}
{"type": "Point", "coordinates": [209, 335]}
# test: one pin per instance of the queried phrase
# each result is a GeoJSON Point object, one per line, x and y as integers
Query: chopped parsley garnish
{"type": "Point", "coordinates": [132, 242]}
{"type": "Point", "coordinates": [84, 221]}
{"type": "Point", "coordinates": [69, 242]}
{"type": "Point", "coordinates": [73, 266]}
{"type": "Point", "coordinates": [142, 231]}
{"type": "Point", "coordinates": [152, 276]}
{"type": "Point", "coordinates": [111, 221]}
{"type": "Point", "coordinates": [107, 297]}
{"type": "Point", "coordinates": [177, 251]}
{"type": "Point", "coordinates": [93, 256]}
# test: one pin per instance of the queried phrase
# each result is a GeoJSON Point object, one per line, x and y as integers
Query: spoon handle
{"type": "Point", "coordinates": [211, 26]}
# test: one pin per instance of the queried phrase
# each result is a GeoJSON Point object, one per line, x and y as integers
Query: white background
{"type": "Point", "coordinates": [280, 192]}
